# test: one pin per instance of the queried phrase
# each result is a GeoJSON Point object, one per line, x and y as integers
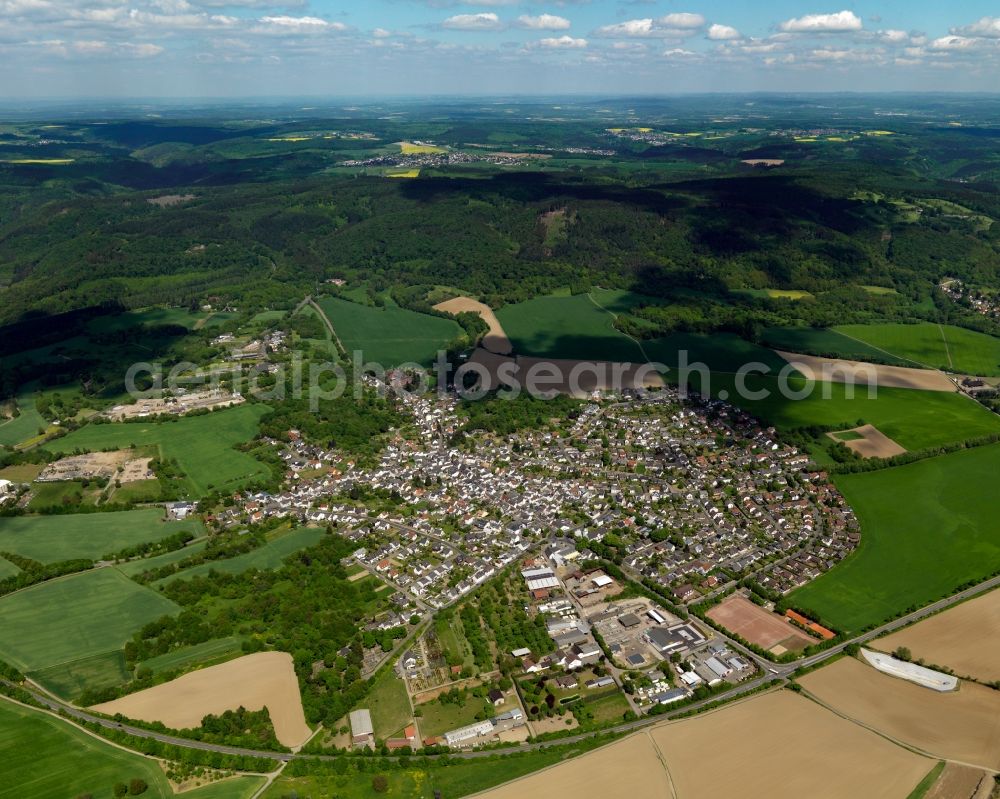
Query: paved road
{"type": "Point", "coordinates": [779, 672]}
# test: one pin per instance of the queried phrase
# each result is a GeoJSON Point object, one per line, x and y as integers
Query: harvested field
{"type": "Point", "coordinates": [868, 441]}
{"type": "Point", "coordinates": [763, 161]}
{"type": "Point", "coordinates": [783, 746]}
{"type": "Point", "coordinates": [963, 638]}
{"type": "Point", "coordinates": [576, 378]}
{"type": "Point", "coordinates": [864, 374]}
{"type": "Point", "coordinates": [961, 725]}
{"type": "Point", "coordinates": [496, 339]}
{"type": "Point", "coordinates": [958, 782]}
{"type": "Point", "coordinates": [631, 767]}
{"type": "Point", "coordinates": [265, 679]}
{"type": "Point", "coordinates": [756, 625]}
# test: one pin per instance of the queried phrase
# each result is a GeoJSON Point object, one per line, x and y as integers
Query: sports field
{"type": "Point", "coordinates": [389, 336]}
{"type": "Point", "coordinates": [939, 346]}
{"type": "Point", "coordinates": [202, 445]}
{"type": "Point", "coordinates": [50, 539]}
{"type": "Point", "coordinates": [927, 528]}
{"type": "Point", "coordinates": [45, 758]}
{"type": "Point", "coordinates": [575, 327]}
{"type": "Point", "coordinates": [914, 419]}
{"type": "Point", "coordinates": [269, 556]}
{"type": "Point", "coordinates": [75, 617]}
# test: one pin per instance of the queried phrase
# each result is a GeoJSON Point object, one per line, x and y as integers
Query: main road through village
{"type": "Point", "coordinates": [771, 672]}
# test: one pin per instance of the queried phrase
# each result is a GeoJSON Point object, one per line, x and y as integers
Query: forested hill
{"type": "Point", "coordinates": [503, 237]}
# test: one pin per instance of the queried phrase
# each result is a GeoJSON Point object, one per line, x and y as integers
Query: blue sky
{"type": "Point", "coordinates": [220, 48]}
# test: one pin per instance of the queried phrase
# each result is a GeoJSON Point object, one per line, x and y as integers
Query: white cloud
{"type": "Point", "coordinates": [987, 28]}
{"type": "Point", "coordinates": [894, 36]}
{"type": "Point", "coordinates": [543, 22]}
{"type": "Point", "coordinates": [677, 52]}
{"type": "Point", "coordinates": [145, 50]}
{"type": "Point", "coordinates": [723, 33]}
{"type": "Point", "coordinates": [953, 42]}
{"type": "Point", "coordinates": [681, 20]}
{"type": "Point", "coordinates": [381, 33]}
{"type": "Point", "coordinates": [301, 22]}
{"type": "Point", "coordinates": [643, 29]}
{"type": "Point", "coordinates": [841, 22]}
{"type": "Point", "coordinates": [487, 21]}
{"type": "Point", "coordinates": [563, 43]}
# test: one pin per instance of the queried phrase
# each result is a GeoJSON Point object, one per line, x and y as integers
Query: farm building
{"type": "Point", "coordinates": [362, 730]}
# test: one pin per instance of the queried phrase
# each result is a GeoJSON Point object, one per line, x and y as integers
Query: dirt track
{"type": "Point", "coordinates": [872, 444]}
{"type": "Point", "coordinates": [266, 679]}
{"type": "Point", "coordinates": [963, 638]}
{"type": "Point", "coordinates": [495, 340]}
{"type": "Point", "coordinates": [863, 374]}
{"type": "Point", "coordinates": [962, 725]}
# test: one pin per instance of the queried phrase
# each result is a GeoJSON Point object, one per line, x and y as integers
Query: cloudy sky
{"type": "Point", "coordinates": [220, 48]}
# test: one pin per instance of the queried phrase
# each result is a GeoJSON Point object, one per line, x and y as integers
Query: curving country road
{"type": "Point", "coordinates": [772, 672]}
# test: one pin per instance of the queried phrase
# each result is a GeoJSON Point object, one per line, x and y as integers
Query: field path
{"type": "Point", "coordinates": [614, 316]}
{"type": "Point", "coordinates": [882, 734]}
{"type": "Point", "coordinates": [886, 352]}
{"type": "Point", "coordinates": [326, 321]}
{"type": "Point", "coordinates": [947, 349]}
{"type": "Point", "coordinates": [663, 762]}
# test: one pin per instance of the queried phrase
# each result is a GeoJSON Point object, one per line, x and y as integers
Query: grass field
{"type": "Point", "coordinates": [437, 719]}
{"type": "Point", "coordinates": [131, 568]}
{"type": "Point", "coordinates": [389, 705]}
{"type": "Point", "coordinates": [914, 419]}
{"type": "Point", "coordinates": [232, 788]}
{"type": "Point", "coordinates": [939, 346]}
{"type": "Point", "coordinates": [209, 652]}
{"type": "Point", "coordinates": [86, 535]}
{"type": "Point", "coordinates": [409, 148]}
{"type": "Point", "coordinates": [47, 495]}
{"type": "Point", "coordinates": [463, 778]}
{"type": "Point", "coordinates": [722, 352]}
{"type": "Point", "coordinates": [916, 549]}
{"type": "Point", "coordinates": [7, 569]}
{"type": "Point", "coordinates": [149, 316]}
{"type": "Point", "coordinates": [825, 342]}
{"type": "Point", "coordinates": [23, 426]}
{"type": "Point", "coordinates": [202, 445]}
{"type": "Point", "coordinates": [21, 472]}
{"type": "Point", "coordinates": [389, 336]}
{"type": "Point", "coordinates": [578, 327]}
{"type": "Point", "coordinates": [71, 679]}
{"type": "Point", "coordinates": [269, 556]}
{"type": "Point", "coordinates": [75, 617]}
{"type": "Point", "coordinates": [45, 758]}
{"type": "Point", "coordinates": [776, 294]}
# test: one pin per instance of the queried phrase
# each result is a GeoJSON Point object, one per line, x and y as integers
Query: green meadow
{"type": "Point", "coordinates": [7, 569]}
{"type": "Point", "coordinates": [214, 651]}
{"type": "Point", "coordinates": [580, 326]}
{"type": "Point", "coordinates": [23, 426]}
{"type": "Point", "coordinates": [130, 568]}
{"type": "Point", "coordinates": [927, 528]}
{"type": "Point", "coordinates": [827, 343]}
{"type": "Point", "coordinates": [47, 758]}
{"type": "Point", "coordinates": [70, 679]}
{"type": "Point", "coordinates": [75, 617]}
{"type": "Point", "coordinates": [269, 556]}
{"type": "Point", "coordinates": [50, 539]}
{"type": "Point", "coordinates": [389, 336]}
{"type": "Point", "coordinates": [202, 445]}
{"type": "Point", "coordinates": [914, 419]}
{"type": "Point", "coordinates": [938, 346]}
